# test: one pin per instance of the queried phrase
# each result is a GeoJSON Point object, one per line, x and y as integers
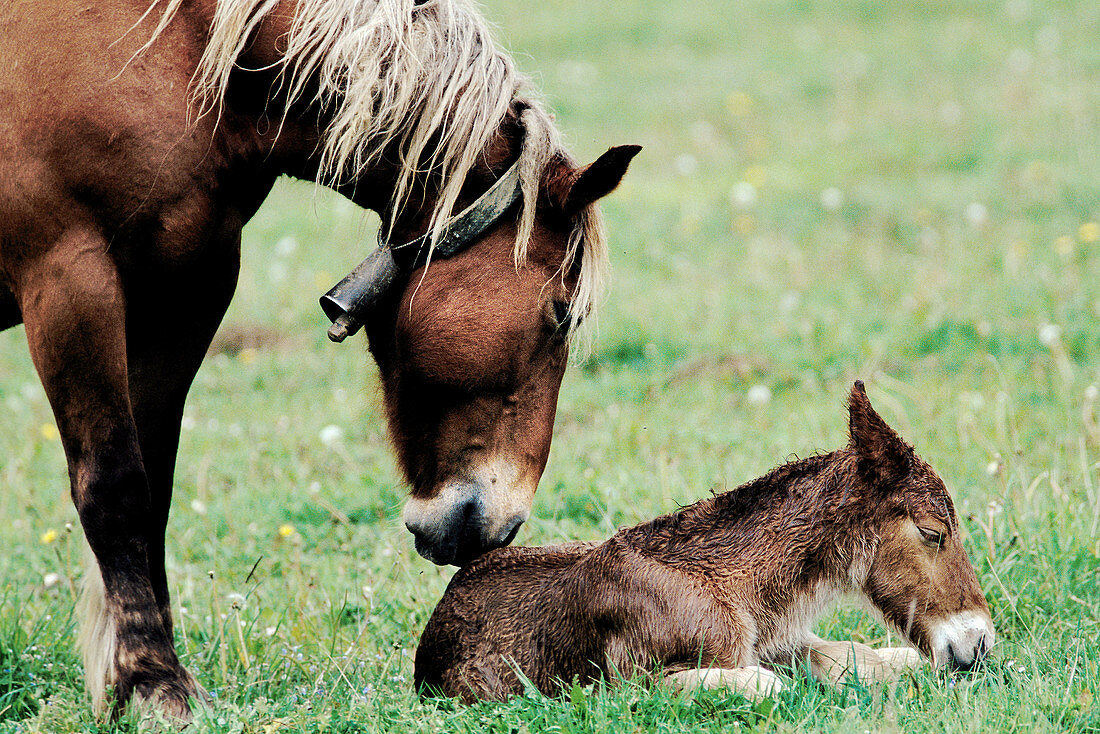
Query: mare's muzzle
{"type": "Point", "coordinates": [464, 534]}
{"type": "Point", "coordinates": [349, 301]}
{"type": "Point", "coordinates": [470, 516]}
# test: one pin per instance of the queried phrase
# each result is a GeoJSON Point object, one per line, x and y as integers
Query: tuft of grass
{"type": "Point", "coordinates": [36, 661]}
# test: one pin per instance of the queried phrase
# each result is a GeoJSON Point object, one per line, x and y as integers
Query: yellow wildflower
{"type": "Point", "coordinates": [744, 224]}
{"type": "Point", "coordinates": [286, 530]}
{"type": "Point", "coordinates": [756, 175]}
{"type": "Point", "coordinates": [49, 431]}
{"type": "Point", "coordinates": [1089, 232]}
{"type": "Point", "coordinates": [48, 537]}
{"type": "Point", "coordinates": [739, 104]}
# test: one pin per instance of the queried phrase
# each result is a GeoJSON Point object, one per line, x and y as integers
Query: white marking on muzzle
{"type": "Point", "coordinates": [962, 637]}
{"type": "Point", "coordinates": [500, 496]}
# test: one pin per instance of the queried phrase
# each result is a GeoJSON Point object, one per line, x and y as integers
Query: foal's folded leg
{"type": "Point", "coordinates": [900, 659]}
{"type": "Point", "coordinates": [835, 662]}
{"type": "Point", "coordinates": [751, 681]}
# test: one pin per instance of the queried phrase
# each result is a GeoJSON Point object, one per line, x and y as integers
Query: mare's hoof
{"type": "Point", "coordinates": [167, 705]}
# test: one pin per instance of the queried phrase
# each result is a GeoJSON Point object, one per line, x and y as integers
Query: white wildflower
{"type": "Point", "coordinates": [759, 395]}
{"type": "Point", "coordinates": [832, 199]}
{"type": "Point", "coordinates": [331, 435]}
{"type": "Point", "coordinates": [286, 246]}
{"type": "Point", "coordinates": [977, 214]}
{"type": "Point", "coordinates": [686, 164]}
{"type": "Point", "coordinates": [1049, 334]}
{"type": "Point", "coordinates": [743, 195]}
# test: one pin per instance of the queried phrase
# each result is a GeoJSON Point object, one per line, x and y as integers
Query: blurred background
{"type": "Point", "coordinates": [903, 192]}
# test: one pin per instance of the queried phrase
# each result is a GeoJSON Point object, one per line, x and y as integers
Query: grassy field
{"type": "Point", "coordinates": [905, 192]}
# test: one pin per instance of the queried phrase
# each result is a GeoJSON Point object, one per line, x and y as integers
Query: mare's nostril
{"type": "Point", "coordinates": [436, 550]}
{"type": "Point", "coordinates": [510, 530]}
{"type": "Point", "coordinates": [441, 537]}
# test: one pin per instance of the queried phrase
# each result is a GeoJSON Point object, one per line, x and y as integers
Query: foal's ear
{"type": "Point", "coordinates": [882, 452]}
{"type": "Point", "coordinates": [594, 181]}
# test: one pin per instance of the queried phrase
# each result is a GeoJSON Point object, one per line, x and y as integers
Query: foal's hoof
{"type": "Point", "coordinates": [752, 682]}
{"type": "Point", "coordinates": [900, 659]}
{"type": "Point", "coordinates": [837, 662]}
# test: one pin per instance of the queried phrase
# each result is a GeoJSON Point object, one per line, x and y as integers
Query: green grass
{"type": "Point", "coordinates": [976, 327]}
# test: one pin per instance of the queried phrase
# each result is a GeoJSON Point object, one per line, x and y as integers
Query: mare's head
{"type": "Point", "coordinates": [472, 350]}
{"type": "Point", "coordinates": [920, 578]}
{"type": "Point", "coordinates": [410, 109]}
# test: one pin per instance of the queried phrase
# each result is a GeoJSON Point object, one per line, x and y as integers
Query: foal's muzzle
{"type": "Point", "coordinates": [963, 640]}
{"type": "Point", "coordinates": [456, 527]}
{"type": "Point", "coordinates": [964, 658]}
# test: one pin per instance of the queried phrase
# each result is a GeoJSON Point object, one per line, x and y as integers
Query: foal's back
{"type": "Point", "coordinates": [581, 611]}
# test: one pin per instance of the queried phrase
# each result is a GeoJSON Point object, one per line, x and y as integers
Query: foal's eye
{"type": "Point", "coordinates": [932, 537]}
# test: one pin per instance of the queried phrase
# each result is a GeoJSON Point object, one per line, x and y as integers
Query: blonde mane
{"type": "Point", "coordinates": [424, 80]}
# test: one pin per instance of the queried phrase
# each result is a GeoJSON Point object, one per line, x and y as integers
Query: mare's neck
{"type": "Point", "coordinates": [290, 140]}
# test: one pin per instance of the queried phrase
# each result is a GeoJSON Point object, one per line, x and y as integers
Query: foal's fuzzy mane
{"type": "Point", "coordinates": [422, 78]}
{"type": "Point", "coordinates": [736, 505]}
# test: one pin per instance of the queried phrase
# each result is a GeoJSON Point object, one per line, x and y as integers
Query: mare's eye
{"type": "Point", "coordinates": [932, 537]}
{"type": "Point", "coordinates": [561, 315]}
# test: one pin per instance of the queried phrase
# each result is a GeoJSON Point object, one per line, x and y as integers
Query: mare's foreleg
{"type": "Point", "coordinates": [9, 309]}
{"type": "Point", "coordinates": [73, 305]}
{"type": "Point", "coordinates": [169, 326]}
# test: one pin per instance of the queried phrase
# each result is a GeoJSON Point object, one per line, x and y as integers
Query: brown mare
{"type": "Point", "coordinates": [136, 141]}
{"type": "Point", "coordinates": [722, 590]}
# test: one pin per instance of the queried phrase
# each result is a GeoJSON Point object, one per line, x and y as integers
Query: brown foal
{"type": "Point", "coordinates": [719, 592]}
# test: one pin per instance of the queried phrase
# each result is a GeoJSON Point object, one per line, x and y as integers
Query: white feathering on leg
{"type": "Point", "coordinates": [98, 635]}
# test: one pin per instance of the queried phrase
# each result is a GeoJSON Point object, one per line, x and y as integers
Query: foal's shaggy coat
{"type": "Point", "coordinates": [728, 583]}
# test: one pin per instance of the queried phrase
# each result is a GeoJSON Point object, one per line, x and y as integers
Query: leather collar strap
{"type": "Point", "coordinates": [349, 301]}
{"type": "Point", "coordinates": [469, 224]}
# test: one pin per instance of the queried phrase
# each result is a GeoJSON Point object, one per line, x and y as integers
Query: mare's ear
{"type": "Point", "coordinates": [882, 453]}
{"type": "Point", "coordinates": [581, 187]}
